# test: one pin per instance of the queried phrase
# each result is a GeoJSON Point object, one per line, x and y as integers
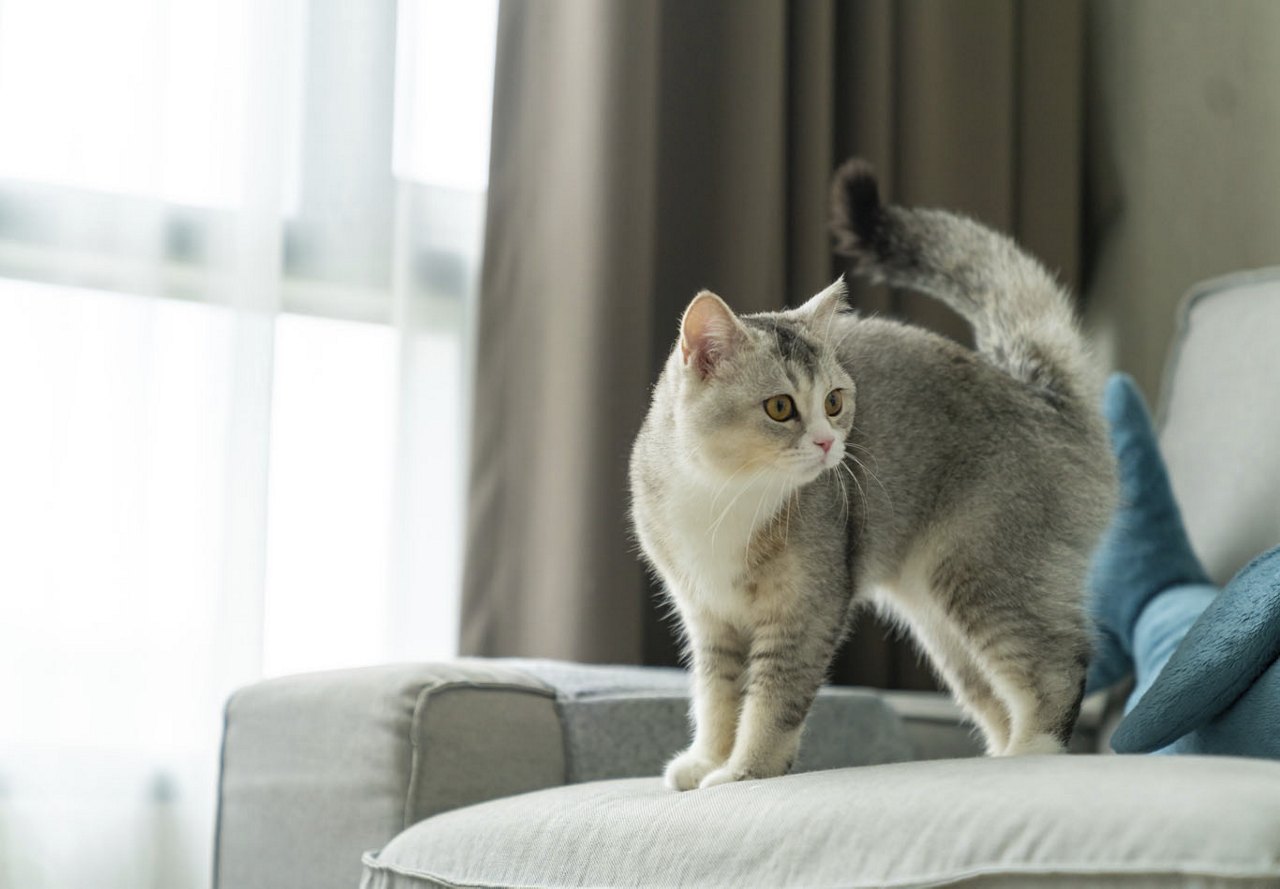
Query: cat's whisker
{"type": "Point", "coordinates": [861, 492]}
{"type": "Point", "coordinates": [715, 527]}
{"type": "Point", "coordinates": [712, 507]}
{"type": "Point", "coordinates": [844, 493]}
{"type": "Point", "coordinates": [874, 477]}
{"type": "Point", "coordinates": [844, 516]}
{"type": "Point", "coordinates": [853, 444]}
{"type": "Point", "coordinates": [751, 529]}
{"type": "Point", "coordinates": [786, 530]}
{"type": "Point", "coordinates": [849, 443]}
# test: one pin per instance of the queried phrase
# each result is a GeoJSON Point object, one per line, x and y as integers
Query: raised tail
{"type": "Point", "coordinates": [1022, 320]}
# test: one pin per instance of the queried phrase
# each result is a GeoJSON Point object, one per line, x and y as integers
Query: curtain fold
{"type": "Point", "coordinates": [644, 150]}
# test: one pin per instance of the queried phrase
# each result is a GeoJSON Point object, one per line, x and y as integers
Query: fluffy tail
{"type": "Point", "coordinates": [1022, 319]}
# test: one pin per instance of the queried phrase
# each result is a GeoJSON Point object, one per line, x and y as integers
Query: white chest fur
{"type": "Point", "coordinates": [705, 535]}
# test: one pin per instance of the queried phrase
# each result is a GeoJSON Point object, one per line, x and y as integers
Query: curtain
{"type": "Point", "coordinates": [238, 243]}
{"type": "Point", "coordinates": [644, 150]}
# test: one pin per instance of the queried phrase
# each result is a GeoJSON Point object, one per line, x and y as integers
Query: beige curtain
{"type": "Point", "coordinates": [644, 149]}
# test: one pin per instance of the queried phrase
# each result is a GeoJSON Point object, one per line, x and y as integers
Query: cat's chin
{"type": "Point", "coordinates": [800, 478]}
{"type": "Point", "coordinates": [807, 473]}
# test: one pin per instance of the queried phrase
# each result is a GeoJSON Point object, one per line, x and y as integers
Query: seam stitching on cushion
{"type": "Point", "coordinates": [1198, 869]}
{"type": "Point", "coordinates": [423, 697]}
{"type": "Point", "coordinates": [558, 699]}
{"type": "Point", "coordinates": [558, 704]}
{"type": "Point", "coordinates": [371, 862]}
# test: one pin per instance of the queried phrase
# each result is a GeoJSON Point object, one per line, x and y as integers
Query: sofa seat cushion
{"type": "Point", "coordinates": [1095, 821]}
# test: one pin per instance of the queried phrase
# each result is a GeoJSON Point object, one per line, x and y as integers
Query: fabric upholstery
{"type": "Point", "coordinates": [1097, 821]}
{"type": "Point", "coordinates": [1232, 640]}
{"type": "Point", "coordinates": [623, 722]}
{"type": "Point", "coordinates": [317, 768]}
{"type": "Point", "coordinates": [1145, 550]}
{"type": "Point", "coordinates": [1221, 419]}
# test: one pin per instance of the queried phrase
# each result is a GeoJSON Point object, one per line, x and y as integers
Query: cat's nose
{"type": "Point", "coordinates": [824, 443]}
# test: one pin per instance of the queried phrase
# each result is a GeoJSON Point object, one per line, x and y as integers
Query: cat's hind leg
{"type": "Point", "coordinates": [1043, 692]}
{"type": "Point", "coordinates": [1027, 634]}
{"type": "Point", "coordinates": [947, 650]}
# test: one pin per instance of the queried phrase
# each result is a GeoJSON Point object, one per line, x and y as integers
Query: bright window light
{"type": "Point", "coordinates": [444, 90]}
{"type": "Point", "coordinates": [333, 426]}
{"type": "Point", "coordinates": [136, 586]}
{"type": "Point", "coordinates": [115, 410]}
{"type": "Point", "coordinates": [138, 97]}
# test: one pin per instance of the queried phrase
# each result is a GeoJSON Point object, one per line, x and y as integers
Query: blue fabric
{"type": "Point", "coordinates": [1206, 663]}
{"type": "Point", "coordinates": [1249, 727]}
{"type": "Point", "coordinates": [1159, 630]}
{"type": "Point", "coordinates": [1145, 550]}
{"type": "Point", "coordinates": [1233, 643]}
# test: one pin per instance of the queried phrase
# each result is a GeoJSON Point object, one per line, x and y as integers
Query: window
{"type": "Point", "coordinates": [237, 247]}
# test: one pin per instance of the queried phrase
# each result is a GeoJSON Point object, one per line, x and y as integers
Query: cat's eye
{"type": "Point", "coordinates": [780, 408]}
{"type": "Point", "coordinates": [835, 402]}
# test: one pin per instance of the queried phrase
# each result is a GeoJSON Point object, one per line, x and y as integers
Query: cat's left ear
{"type": "Point", "coordinates": [819, 310]}
{"type": "Point", "coordinates": [709, 331]}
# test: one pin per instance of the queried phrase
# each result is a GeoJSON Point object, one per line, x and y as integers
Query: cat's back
{"type": "Point", "coordinates": [939, 423]}
{"type": "Point", "coordinates": [923, 384]}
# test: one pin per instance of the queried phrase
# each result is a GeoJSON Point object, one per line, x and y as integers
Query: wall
{"type": "Point", "coordinates": [1183, 122]}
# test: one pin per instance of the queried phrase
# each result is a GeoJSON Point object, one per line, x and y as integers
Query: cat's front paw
{"type": "Point", "coordinates": [745, 770]}
{"type": "Point", "coordinates": [688, 769]}
{"type": "Point", "coordinates": [726, 774]}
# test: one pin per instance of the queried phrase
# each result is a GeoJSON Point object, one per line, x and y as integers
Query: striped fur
{"type": "Point", "coordinates": [962, 493]}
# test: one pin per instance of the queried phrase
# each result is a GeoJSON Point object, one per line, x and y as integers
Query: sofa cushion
{"type": "Point", "coordinates": [626, 722]}
{"type": "Point", "coordinates": [1094, 821]}
{"type": "Point", "coordinates": [317, 768]}
{"type": "Point", "coordinates": [1221, 419]}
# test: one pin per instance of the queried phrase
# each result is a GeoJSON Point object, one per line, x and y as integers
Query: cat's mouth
{"type": "Point", "coordinates": [808, 466]}
{"type": "Point", "coordinates": [831, 459]}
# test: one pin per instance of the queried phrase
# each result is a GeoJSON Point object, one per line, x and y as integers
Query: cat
{"type": "Point", "coordinates": [795, 465]}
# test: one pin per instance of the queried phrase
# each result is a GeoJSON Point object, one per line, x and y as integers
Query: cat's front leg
{"type": "Point", "coordinates": [786, 665]}
{"type": "Point", "coordinates": [719, 663]}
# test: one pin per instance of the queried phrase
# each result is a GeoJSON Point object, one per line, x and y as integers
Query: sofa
{"type": "Point", "coordinates": [525, 773]}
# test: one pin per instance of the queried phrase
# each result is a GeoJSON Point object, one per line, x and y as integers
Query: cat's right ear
{"type": "Point", "coordinates": [709, 332]}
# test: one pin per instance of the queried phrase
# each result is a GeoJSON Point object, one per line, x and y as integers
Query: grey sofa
{"type": "Point", "coordinates": [494, 773]}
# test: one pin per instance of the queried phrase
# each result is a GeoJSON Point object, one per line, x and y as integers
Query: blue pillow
{"type": "Point", "coordinates": [1225, 653]}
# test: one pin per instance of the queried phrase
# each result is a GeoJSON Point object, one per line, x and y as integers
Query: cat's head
{"type": "Point", "coordinates": [763, 396]}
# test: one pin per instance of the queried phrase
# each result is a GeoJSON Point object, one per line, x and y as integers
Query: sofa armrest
{"type": "Point", "coordinates": [317, 769]}
{"type": "Point", "coordinates": [320, 768]}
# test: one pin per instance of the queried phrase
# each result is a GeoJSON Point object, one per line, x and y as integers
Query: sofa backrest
{"type": "Point", "coordinates": [1220, 418]}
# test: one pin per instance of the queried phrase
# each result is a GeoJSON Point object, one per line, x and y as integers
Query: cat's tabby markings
{"type": "Point", "coordinates": [795, 465]}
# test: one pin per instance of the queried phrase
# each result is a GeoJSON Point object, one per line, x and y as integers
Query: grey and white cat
{"type": "Point", "coordinates": [796, 464]}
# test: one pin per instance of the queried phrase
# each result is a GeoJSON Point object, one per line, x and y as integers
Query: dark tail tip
{"type": "Point", "coordinates": [855, 208]}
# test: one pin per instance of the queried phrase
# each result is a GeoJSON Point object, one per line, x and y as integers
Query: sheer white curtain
{"type": "Point", "coordinates": [237, 245]}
